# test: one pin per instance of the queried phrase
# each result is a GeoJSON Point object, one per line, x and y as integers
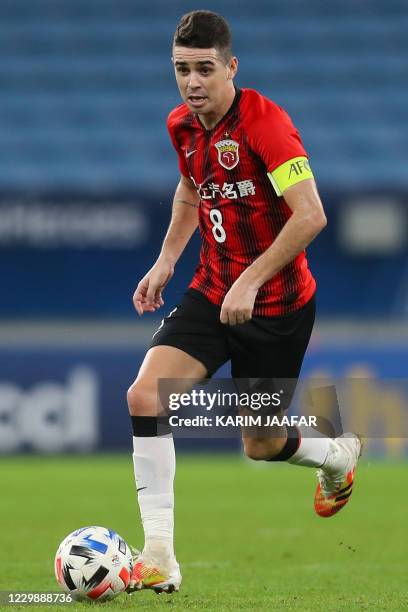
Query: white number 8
{"type": "Point", "coordinates": [218, 231]}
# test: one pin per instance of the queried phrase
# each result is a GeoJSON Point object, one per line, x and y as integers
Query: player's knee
{"type": "Point", "coordinates": [142, 399]}
{"type": "Point", "coordinates": [254, 449]}
{"type": "Point", "coordinates": [262, 450]}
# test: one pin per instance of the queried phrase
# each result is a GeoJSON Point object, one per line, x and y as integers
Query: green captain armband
{"type": "Point", "coordinates": [291, 172]}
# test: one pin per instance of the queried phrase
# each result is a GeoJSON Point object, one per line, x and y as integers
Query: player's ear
{"type": "Point", "coordinates": [232, 67]}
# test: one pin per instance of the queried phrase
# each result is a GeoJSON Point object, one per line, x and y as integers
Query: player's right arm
{"type": "Point", "coordinates": [183, 223]}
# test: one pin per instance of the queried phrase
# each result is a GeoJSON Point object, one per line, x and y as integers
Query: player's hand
{"type": "Point", "coordinates": [238, 303]}
{"type": "Point", "coordinates": [148, 294]}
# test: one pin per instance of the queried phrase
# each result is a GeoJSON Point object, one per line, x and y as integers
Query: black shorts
{"type": "Point", "coordinates": [268, 347]}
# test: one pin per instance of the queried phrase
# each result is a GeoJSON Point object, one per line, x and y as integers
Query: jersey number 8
{"type": "Point", "coordinates": [218, 231]}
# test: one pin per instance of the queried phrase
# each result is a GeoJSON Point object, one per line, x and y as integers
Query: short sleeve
{"type": "Point", "coordinates": [275, 139]}
{"type": "Point", "coordinates": [180, 153]}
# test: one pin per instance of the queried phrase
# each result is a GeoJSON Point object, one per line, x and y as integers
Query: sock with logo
{"type": "Point", "coordinates": [301, 449]}
{"type": "Point", "coordinates": [154, 467]}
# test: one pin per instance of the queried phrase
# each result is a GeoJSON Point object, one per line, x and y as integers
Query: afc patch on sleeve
{"type": "Point", "coordinates": [291, 172]}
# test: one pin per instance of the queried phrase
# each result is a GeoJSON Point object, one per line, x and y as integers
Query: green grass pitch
{"type": "Point", "coordinates": [246, 534]}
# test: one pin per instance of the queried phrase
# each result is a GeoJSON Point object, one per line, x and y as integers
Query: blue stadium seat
{"type": "Point", "coordinates": [89, 83]}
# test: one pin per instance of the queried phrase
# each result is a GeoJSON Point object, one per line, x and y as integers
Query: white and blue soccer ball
{"type": "Point", "coordinates": [94, 564]}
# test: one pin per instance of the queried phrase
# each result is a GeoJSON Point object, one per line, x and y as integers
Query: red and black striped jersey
{"type": "Point", "coordinates": [240, 211]}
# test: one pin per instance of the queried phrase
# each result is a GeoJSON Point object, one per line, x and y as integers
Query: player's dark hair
{"type": "Point", "coordinates": [204, 30]}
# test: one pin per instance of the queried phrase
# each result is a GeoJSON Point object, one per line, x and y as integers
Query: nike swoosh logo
{"type": "Point", "coordinates": [140, 489]}
{"type": "Point", "coordinates": [190, 153]}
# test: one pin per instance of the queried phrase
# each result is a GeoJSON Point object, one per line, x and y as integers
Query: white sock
{"type": "Point", "coordinates": [312, 451]}
{"type": "Point", "coordinates": [155, 466]}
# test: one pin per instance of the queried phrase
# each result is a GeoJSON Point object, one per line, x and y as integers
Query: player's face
{"type": "Point", "coordinates": [204, 80]}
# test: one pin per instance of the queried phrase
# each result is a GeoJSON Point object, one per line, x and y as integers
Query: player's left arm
{"type": "Point", "coordinates": [306, 222]}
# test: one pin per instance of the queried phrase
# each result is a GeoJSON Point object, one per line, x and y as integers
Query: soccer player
{"type": "Point", "coordinates": [247, 183]}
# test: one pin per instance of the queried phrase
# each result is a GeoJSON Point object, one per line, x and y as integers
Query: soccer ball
{"type": "Point", "coordinates": [93, 563]}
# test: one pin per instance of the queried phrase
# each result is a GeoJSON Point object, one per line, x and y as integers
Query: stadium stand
{"type": "Point", "coordinates": [85, 87]}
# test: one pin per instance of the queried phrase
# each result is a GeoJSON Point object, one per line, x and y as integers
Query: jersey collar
{"type": "Point", "coordinates": [231, 109]}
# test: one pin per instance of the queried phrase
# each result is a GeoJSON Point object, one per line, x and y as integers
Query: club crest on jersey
{"type": "Point", "coordinates": [228, 155]}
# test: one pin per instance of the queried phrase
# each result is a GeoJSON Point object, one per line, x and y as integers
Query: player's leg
{"type": "Point", "coordinates": [335, 459]}
{"type": "Point", "coordinates": [188, 346]}
{"type": "Point", "coordinates": [274, 349]}
{"type": "Point", "coordinates": [267, 353]}
{"type": "Point", "coordinates": [154, 462]}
